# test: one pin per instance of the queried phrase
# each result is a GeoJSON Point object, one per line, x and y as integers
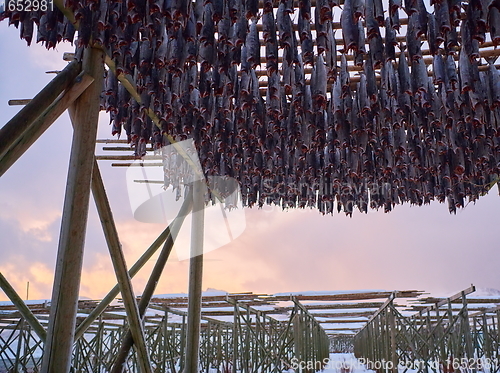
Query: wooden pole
{"type": "Point", "coordinates": [14, 129]}
{"type": "Point", "coordinates": [150, 288]}
{"type": "Point", "coordinates": [59, 344]}
{"type": "Point", "coordinates": [172, 229]}
{"type": "Point", "coordinates": [195, 279]}
{"type": "Point", "coordinates": [120, 266]}
{"type": "Point", "coordinates": [43, 122]}
{"type": "Point", "coordinates": [22, 308]}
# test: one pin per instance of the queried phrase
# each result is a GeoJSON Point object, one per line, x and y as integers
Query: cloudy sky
{"type": "Point", "coordinates": [422, 248]}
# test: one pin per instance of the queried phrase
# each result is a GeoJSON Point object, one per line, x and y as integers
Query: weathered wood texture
{"type": "Point", "coordinates": [150, 288]}
{"type": "Point", "coordinates": [23, 309]}
{"type": "Point", "coordinates": [57, 356]}
{"type": "Point", "coordinates": [120, 267]}
{"type": "Point", "coordinates": [11, 132]}
{"type": "Point", "coordinates": [43, 122]}
{"type": "Point", "coordinates": [195, 278]}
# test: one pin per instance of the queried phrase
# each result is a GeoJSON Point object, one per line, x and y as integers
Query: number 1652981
{"type": "Point", "coordinates": [29, 5]}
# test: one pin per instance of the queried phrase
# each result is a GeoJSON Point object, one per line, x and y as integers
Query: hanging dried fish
{"type": "Point", "coordinates": [325, 11]}
{"type": "Point", "coordinates": [253, 45]}
{"type": "Point", "coordinates": [318, 83]}
{"type": "Point", "coordinates": [344, 75]}
{"type": "Point", "coordinates": [412, 39]}
{"type": "Point", "coordinates": [465, 69]}
{"type": "Point", "coordinates": [349, 27]}
{"type": "Point", "coordinates": [470, 45]}
{"type": "Point", "coordinates": [442, 13]}
{"type": "Point", "coordinates": [331, 53]}
{"type": "Point", "coordinates": [251, 8]}
{"type": "Point", "coordinates": [404, 81]}
{"type": "Point", "coordinates": [27, 30]}
{"type": "Point", "coordinates": [372, 27]}
{"type": "Point", "coordinates": [494, 84]}
{"type": "Point", "coordinates": [285, 27]}
{"type": "Point", "coordinates": [451, 73]}
{"type": "Point", "coordinates": [390, 41]}
{"type": "Point", "coordinates": [438, 69]}
{"type": "Point", "coordinates": [306, 41]}
{"type": "Point", "coordinates": [494, 23]}
{"type": "Point", "coordinates": [359, 54]}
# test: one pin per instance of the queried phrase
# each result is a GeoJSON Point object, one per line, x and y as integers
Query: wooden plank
{"type": "Point", "coordinates": [19, 102]}
{"type": "Point", "coordinates": [443, 302]}
{"type": "Point", "coordinates": [44, 121]}
{"type": "Point", "coordinates": [173, 227]}
{"type": "Point", "coordinates": [122, 148]}
{"type": "Point", "coordinates": [120, 267]}
{"type": "Point", "coordinates": [150, 288]}
{"type": "Point", "coordinates": [11, 132]}
{"type": "Point", "coordinates": [195, 279]}
{"type": "Point", "coordinates": [128, 157]}
{"type": "Point", "coordinates": [59, 344]}
{"type": "Point", "coordinates": [111, 141]}
{"type": "Point", "coordinates": [22, 308]}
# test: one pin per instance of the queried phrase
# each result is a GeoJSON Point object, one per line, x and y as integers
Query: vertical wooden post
{"type": "Point", "coordinates": [394, 355]}
{"type": "Point", "coordinates": [195, 278]}
{"type": "Point", "coordinates": [59, 344]}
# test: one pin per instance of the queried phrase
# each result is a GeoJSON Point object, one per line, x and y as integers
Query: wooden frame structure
{"type": "Point", "coordinates": [258, 332]}
{"type": "Point", "coordinates": [337, 139]}
{"type": "Point", "coordinates": [438, 337]}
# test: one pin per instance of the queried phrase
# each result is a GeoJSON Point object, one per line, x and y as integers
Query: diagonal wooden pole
{"type": "Point", "coordinates": [96, 312]}
{"type": "Point", "coordinates": [118, 259]}
{"type": "Point", "coordinates": [22, 308]}
{"type": "Point", "coordinates": [150, 288]}
{"type": "Point", "coordinates": [43, 122]}
{"type": "Point", "coordinates": [195, 278]}
{"type": "Point", "coordinates": [12, 131]}
{"type": "Point", "coordinates": [64, 304]}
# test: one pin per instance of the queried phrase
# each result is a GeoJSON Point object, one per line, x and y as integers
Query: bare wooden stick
{"type": "Point", "coordinates": [44, 121]}
{"type": "Point", "coordinates": [128, 157]}
{"type": "Point", "coordinates": [19, 102]}
{"type": "Point", "coordinates": [120, 266]}
{"type": "Point", "coordinates": [60, 336]}
{"type": "Point", "coordinates": [13, 130]}
{"type": "Point", "coordinates": [195, 279]}
{"type": "Point", "coordinates": [22, 308]}
{"type": "Point", "coordinates": [150, 288]}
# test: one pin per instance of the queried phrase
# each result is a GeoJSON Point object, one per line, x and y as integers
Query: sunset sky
{"type": "Point", "coordinates": [423, 248]}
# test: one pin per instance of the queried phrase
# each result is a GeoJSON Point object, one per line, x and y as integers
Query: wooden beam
{"type": "Point", "coordinates": [150, 288]}
{"type": "Point", "coordinates": [443, 302]}
{"type": "Point", "coordinates": [60, 336]}
{"type": "Point", "coordinates": [120, 266]}
{"type": "Point", "coordinates": [11, 132]}
{"type": "Point", "coordinates": [19, 102]}
{"type": "Point", "coordinates": [195, 279]}
{"type": "Point", "coordinates": [173, 227]}
{"type": "Point", "coordinates": [22, 308]}
{"type": "Point", "coordinates": [44, 121]}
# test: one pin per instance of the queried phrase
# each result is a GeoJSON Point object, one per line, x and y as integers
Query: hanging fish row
{"type": "Point", "coordinates": [406, 141]}
{"type": "Point", "coordinates": [311, 141]}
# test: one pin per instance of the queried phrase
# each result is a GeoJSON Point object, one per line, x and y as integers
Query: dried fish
{"type": "Point", "coordinates": [390, 41]}
{"type": "Point", "coordinates": [349, 27]}
{"type": "Point", "coordinates": [253, 45]}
